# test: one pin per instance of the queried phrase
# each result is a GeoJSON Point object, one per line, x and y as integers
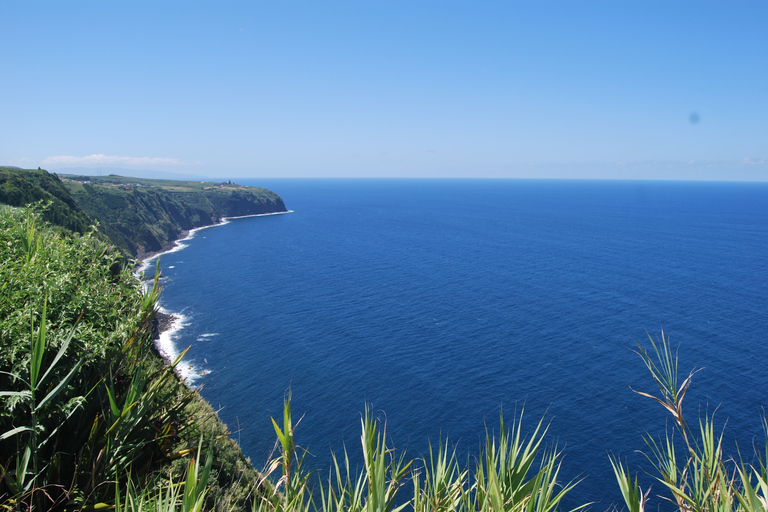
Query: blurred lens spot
{"type": "Point", "coordinates": [694, 118]}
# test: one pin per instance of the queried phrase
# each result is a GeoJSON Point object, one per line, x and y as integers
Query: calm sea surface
{"type": "Point", "coordinates": [438, 302]}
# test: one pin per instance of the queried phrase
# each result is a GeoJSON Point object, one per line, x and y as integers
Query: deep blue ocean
{"type": "Point", "coordinates": [440, 301]}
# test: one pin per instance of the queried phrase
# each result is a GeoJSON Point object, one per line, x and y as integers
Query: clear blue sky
{"type": "Point", "coordinates": [574, 89]}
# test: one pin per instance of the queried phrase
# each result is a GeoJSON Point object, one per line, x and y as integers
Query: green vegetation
{"type": "Point", "coordinates": [19, 187]}
{"type": "Point", "coordinates": [91, 418]}
{"type": "Point", "coordinates": [513, 473]}
{"type": "Point", "coordinates": [88, 409]}
{"type": "Point", "coordinates": [692, 468]}
{"type": "Point", "coordinates": [143, 216]}
{"type": "Point", "coordinates": [115, 181]}
{"type": "Point", "coordinates": [139, 216]}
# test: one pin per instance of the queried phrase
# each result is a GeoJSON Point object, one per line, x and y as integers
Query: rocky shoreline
{"type": "Point", "coordinates": [144, 256]}
{"type": "Point", "coordinates": [183, 235]}
{"type": "Point", "coordinates": [161, 323]}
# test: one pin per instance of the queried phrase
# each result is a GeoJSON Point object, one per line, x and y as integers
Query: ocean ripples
{"type": "Point", "coordinates": [439, 301]}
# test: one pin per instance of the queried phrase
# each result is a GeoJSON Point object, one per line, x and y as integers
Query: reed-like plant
{"type": "Point", "coordinates": [444, 483]}
{"type": "Point", "coordinates": [513, 473]}
{"type": "Point", "coordinates": [376, 487]}
{"type": "Point", "coordinates": [32, 401]}
{"type": "Point", "coordinates": [290, 492]}
{"type": "Point", "coordinates": [516, 474]}
{"type": "Point", "coordinates": [696, 473]}
{"type": "Point", "coordinates": [83, 398]}
{"type": "Point", "coordinates": [186, 496]}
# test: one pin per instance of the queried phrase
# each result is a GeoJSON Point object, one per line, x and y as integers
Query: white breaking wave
{"type": "Point", "coordinates": [166, 343]}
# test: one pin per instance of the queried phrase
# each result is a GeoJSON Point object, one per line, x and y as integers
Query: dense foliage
{"type": "Point", "coordinates": [20, 187]}
{"type": "Point", "coordinates": [87, 407]}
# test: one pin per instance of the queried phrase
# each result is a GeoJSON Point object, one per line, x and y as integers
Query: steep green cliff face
{"type": "Point", "coordinates": [140, 216]}
{"type": "Point", "coordinates": [145, 216]}
{"type": "Point", "coordinates": [20, 187]}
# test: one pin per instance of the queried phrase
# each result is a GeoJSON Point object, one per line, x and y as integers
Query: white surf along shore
{"type": "Point", "coordinates": [166, 343]}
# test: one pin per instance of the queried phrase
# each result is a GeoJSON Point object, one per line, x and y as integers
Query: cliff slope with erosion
{"type": "Point", "coordinates": [144, 216]}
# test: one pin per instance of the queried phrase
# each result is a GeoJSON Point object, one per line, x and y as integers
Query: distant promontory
{"type": "Point", "coordinates": [140, 216]}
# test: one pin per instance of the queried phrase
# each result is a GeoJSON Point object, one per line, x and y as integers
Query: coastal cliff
{"type": "Point", "coordinates": [119, 414]}
{"type": "Point", "coordinates": [139, 216]}
{"type": "Point", "coordinates": [145, 216]}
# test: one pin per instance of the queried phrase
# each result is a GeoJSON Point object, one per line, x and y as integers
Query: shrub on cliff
{"type": "Point", "coordinates": [20, 187]}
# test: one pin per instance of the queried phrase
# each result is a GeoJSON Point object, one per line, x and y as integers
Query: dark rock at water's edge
{"type": "Point", "coordinates": [161, 323]}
